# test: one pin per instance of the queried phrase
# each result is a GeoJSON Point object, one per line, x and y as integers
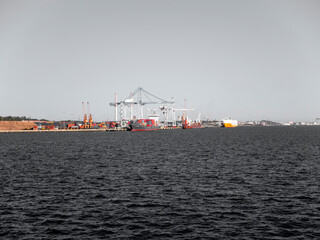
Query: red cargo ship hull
{"type": "Point", "coordinates": [186, 125]}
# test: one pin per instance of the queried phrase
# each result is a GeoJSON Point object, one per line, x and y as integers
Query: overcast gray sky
{"type": "Point", "coordinates": [245, 59]}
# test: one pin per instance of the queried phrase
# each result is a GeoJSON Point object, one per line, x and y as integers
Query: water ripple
{"type": "Point", "coordinates": [243, 183]}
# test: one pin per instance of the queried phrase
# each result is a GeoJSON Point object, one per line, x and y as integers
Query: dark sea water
{"type": "Point", "coordinates": [241, 183]}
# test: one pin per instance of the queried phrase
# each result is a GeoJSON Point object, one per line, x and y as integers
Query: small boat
{"type": "Point", "coordinates": [229, 123]}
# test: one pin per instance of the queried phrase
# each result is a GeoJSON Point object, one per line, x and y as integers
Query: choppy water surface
{"type": "Point", "coordinates": [242, 183]}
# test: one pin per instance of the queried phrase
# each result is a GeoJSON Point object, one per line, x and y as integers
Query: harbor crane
{"type": "Point", "coordinates": [136, 102]}
{"type": "Point", "coordinates": [90, 116]}
{"type": "Point", "coordinates": [87, 117]}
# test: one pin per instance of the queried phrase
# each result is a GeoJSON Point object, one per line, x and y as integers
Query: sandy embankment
{"type": "Point", "coordinates": [16, 125]}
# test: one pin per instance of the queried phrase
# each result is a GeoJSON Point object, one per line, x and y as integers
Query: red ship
{"type": "Point", "coordinates": [187, 125]}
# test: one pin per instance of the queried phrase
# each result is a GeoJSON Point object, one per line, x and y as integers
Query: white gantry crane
{"type": "Point", "coordinates": [135, 103]}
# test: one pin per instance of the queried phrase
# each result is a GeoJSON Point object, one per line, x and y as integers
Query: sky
{"type": "Point", "coordinates": [248, 59]}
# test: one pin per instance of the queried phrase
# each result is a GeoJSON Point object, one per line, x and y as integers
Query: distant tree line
{"type": "Point", "coordinates": [18, 118]}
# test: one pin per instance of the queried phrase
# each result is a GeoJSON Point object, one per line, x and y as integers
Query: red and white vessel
{"type": "Point", "coordinates": [188, 125]}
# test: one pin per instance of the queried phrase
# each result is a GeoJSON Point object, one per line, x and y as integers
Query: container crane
{"type": "Point", "coordinates": [140, 98]}
{"type": "Point", "coordinates": [90, 116]}
{"type": "Point", "coordinates": [85, 118]}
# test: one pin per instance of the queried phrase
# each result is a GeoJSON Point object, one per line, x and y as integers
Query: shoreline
{"type": "Point", "coordinates": [120, 130]}
{"type": "Point", "coordinates": [56, 130]}
{"type": "Point", "coordinates": [75, 130]}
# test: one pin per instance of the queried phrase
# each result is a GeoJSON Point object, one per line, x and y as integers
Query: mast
{"type": "Point", "coordinates": [131, 113]}
{"type": "Point", "coordinates": [116, 108]}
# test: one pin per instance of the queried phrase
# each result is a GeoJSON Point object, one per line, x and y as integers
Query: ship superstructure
{"type": "Point", "coordinates": [229, 123]}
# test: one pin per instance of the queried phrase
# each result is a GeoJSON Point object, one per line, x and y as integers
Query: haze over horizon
{"type": "Point", "coordinates": [249, 60]}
